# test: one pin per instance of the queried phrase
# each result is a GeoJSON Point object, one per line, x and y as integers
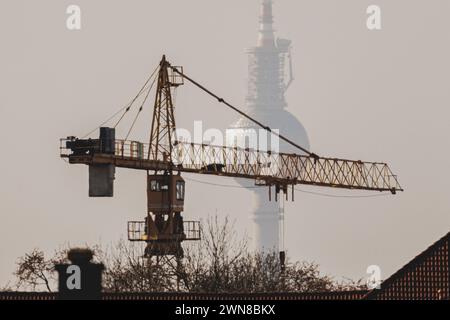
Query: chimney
{"type": "Point", "coordinates": [82, 279]}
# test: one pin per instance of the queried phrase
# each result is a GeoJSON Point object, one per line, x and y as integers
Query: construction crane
{"type": "Point", "coordinates": [164, 158]}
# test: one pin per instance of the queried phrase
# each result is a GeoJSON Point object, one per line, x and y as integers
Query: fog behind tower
{"type": "Point", "coordinates": [265, 101]}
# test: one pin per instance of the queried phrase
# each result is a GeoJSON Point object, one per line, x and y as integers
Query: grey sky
{"type": "Point", "coordinates": [381, 96]}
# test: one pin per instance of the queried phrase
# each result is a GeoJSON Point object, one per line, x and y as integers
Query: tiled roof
{"type": "Point", "coordinates": [426, 277]}
{"type": "Point", "coordinates": [346, 295]}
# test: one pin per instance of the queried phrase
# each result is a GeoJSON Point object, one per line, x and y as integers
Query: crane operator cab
{"type": "Point", "coordinates": [164, 228]}
{"type": "Point", "coordinates": [165, 192]}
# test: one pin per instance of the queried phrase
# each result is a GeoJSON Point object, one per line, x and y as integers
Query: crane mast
{"type": "Point", "coordinates": [164, 158]}
{"type": "Point", "coordinates": [163, 122]}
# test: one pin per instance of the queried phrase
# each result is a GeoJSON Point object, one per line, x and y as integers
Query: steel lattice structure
{"type": "Point", "coordinates": [163, 228]}
{"type": "Point", "coordinates": [269, 167]}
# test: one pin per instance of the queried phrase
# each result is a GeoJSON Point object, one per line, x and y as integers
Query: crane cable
{"type": "Point", "coordinates": [221, 100]}
{"type": "Point", "coordinates": [296, 189]}
{"type": "Point", "coordinates": [281, 224]}
{"type": "Point", "coordinates": [140, 108]}
{"type": "Point", "coordinates": [127, 107]}
{"type": "Point", "coordinates": [138, 95]}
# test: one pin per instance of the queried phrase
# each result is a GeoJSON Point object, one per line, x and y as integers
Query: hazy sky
{"type": "Point", "coordinates": [370, 95]}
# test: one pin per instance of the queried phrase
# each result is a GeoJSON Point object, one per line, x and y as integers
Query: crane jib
{"type": "Point", "coordinates": [270, 167]}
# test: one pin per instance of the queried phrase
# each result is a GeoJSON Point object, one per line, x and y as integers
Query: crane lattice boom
{"type": "Point", "coordinates": [272, 168]}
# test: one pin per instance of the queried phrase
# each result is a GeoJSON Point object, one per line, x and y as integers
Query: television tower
{"type": "Point", "coordinates": [265, 101]}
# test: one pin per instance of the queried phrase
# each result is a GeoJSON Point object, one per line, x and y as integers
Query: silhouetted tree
{"type": "Point", "coordinates": [34, 270]}
{"type": "Point", "coordinates": [219, 263]}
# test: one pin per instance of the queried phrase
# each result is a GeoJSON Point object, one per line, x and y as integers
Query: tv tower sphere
{"type": "Point", "coordinates": [266, 102]}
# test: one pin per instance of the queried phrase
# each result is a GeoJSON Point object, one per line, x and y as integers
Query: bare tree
{"type": "Point", "coordinates": [128, 271]}
{"type": "Point", "coordinates": [34, 271]}
{"type": "Point", "coordinates": [209, 264]}
{"type": "Point", "coordinates": [220, 263]}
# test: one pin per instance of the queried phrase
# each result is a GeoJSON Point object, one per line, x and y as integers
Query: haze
{"type": "Point", "coordinates": [371, 95]}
